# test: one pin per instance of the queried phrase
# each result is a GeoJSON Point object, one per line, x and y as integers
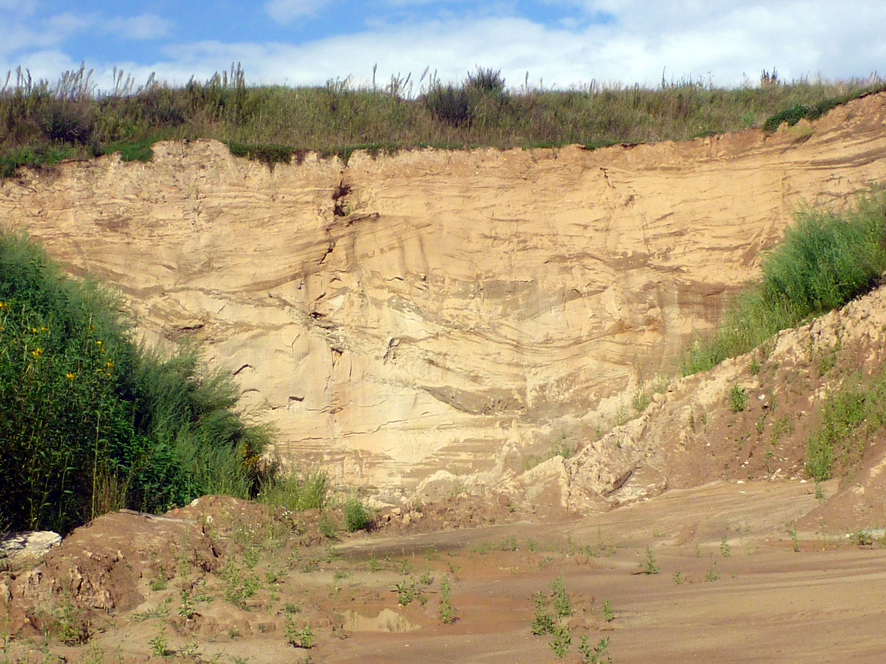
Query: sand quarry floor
{"type": "Point", "coordinates": [711, 574]}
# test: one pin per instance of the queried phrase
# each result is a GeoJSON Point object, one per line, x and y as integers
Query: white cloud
{"type": "Point", "coordinates": [797, 38]}
{"type": "Point", "coordinates": [286, 11]}
{"type": "Point", "coordinates": [41, 64]}
{"type": "Point", "coordinates": [685, 38]}
{"type": "Point", "coordinates": [141, 27]}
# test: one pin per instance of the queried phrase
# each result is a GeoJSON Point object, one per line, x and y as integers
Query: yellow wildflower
{"type": "Point", "coordinates": [70, 376]}
{"type": "Point", "coordinates": [37, 353]}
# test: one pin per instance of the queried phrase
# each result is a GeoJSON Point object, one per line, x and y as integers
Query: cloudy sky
{"type": "Point", "coordinates": [559, 44]}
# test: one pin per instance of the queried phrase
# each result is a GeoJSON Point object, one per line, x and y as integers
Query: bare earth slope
{"type": "Point", "coordinates": [460, 312]}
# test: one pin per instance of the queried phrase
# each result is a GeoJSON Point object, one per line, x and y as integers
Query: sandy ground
{"type": "Point", "coordinates": [734, 583]}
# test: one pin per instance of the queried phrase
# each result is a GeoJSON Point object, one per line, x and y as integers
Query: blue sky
{"type": "Point", "coordinates": [558, 44]}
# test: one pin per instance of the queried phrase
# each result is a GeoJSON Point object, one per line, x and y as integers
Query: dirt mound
{"type": "Point", "coordinates": [750, 418]}
{"type": "Point", "coordinates": [101, 568]}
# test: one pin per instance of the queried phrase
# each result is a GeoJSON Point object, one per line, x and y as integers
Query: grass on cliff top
{"type": "Point", "coordinates": [42, 123]}
{"type": "Point", "coordinates": [90, 421]}
{"type": "Point", "coordinates": [826, 259]}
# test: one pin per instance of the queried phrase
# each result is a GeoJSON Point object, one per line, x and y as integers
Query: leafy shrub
{"type": "Point", "coordinates": [487, 82]}
{"type": "Point", "coordinates": [67, 121]}
{"type": "Point", "coordinates": [89, 421]}
{"type": "Point", "coordinates": [450, 104]}
{"type": "Point", "coordinates": [357, 515]}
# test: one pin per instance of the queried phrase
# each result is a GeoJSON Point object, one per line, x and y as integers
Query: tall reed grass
{"type": "Point", "coordinates": [826, 259]}
{"type": "Point", "coordinates": [42, 123]}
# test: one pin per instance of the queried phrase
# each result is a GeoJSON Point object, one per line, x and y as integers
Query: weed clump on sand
{"type": "Point", "coordinates": [826, 259]}
{"type": "Point", "coordinates": [357, 515]}
{"type": "Point", "coordinates": [297, 491]}
{"type": "Point", "coordinates": [848, 417]}
{"type": "Point", "coordinates": [90, 421]}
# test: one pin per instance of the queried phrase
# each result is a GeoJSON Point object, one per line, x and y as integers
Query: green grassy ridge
{"type": "Point", "coordinates": [90, 421]}
{"type": "Point", "coordinates": [41, 123]}
{"type": "Point", "coordinates": [805, 111]}
{"type": "Point", "coordinates": [825, 260]}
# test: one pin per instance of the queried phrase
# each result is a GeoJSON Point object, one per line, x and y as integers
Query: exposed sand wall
{"type": "Point", "coordinates": [430, 311]}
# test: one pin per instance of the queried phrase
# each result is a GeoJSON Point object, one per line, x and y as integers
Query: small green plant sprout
{"type": "Point", "coordinates": [562, 605]}
{"type": "Point", "coordinates": [679, 578]}
{"type": "Point", "coordinates": [598, 654]}
{"type": "Point", "coordinates": [640, 401]}
{"type": "Point", "coordinates": [725, 550]}
{"type": "Point", "coordinates": [299, 638]}
{"type": "Point", "coordinates": [792, 531]}
{"type": "Point", "coordinates": [738, 398]}
{"type": "Point", "coordinates": [542, 622]}
{"type": "Point", "coordinates": [159, 581]}
{"type": "Point", "coordinates": [373, 563]}
{"type": "Point", "coordinates": [425, 578]}
{"type": "Point", "coordinates": [607, 610]}
{"type": "Point", "coordinates": [564, 448]}
{"type": "Point", "coordinates": [649, 566]}
{"type": "Point", "coordinates": [863, 537]}
{"type": "Point", "coordinates": [159, 646]}
{"type": "Point", "coordinates": [819, 493]}
{"type": "Point", "coordinates": [406, 591]}
{"type": "Point", "coordinates": [562, 639]}
{"type": "Point", "coordinates": [186, 608]}
{"type": "Point", "coordinates": [712, 574]}
{"type": "Point", "coordinates": [447, 612]}
{"type": "Point", "coordinates": [326, 526]}
{"type": "Point", "coordinates": [754, 366]}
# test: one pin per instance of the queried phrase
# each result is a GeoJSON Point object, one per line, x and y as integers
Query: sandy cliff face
{"type": "Point", "coordinates": [442, 311]}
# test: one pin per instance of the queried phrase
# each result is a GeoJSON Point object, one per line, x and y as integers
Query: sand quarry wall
{"type": "Point", "coordinates": [438, 310]}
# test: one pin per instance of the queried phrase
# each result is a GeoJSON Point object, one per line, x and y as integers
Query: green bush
{"type": "Point", "coordinates": [90, 421]}
{"type": "Point", "coordinates": [357, 515]}
{"type": "Point", "coordinates": [450, 104]}
{"type": "Point", "coordinates": [825, 260]}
